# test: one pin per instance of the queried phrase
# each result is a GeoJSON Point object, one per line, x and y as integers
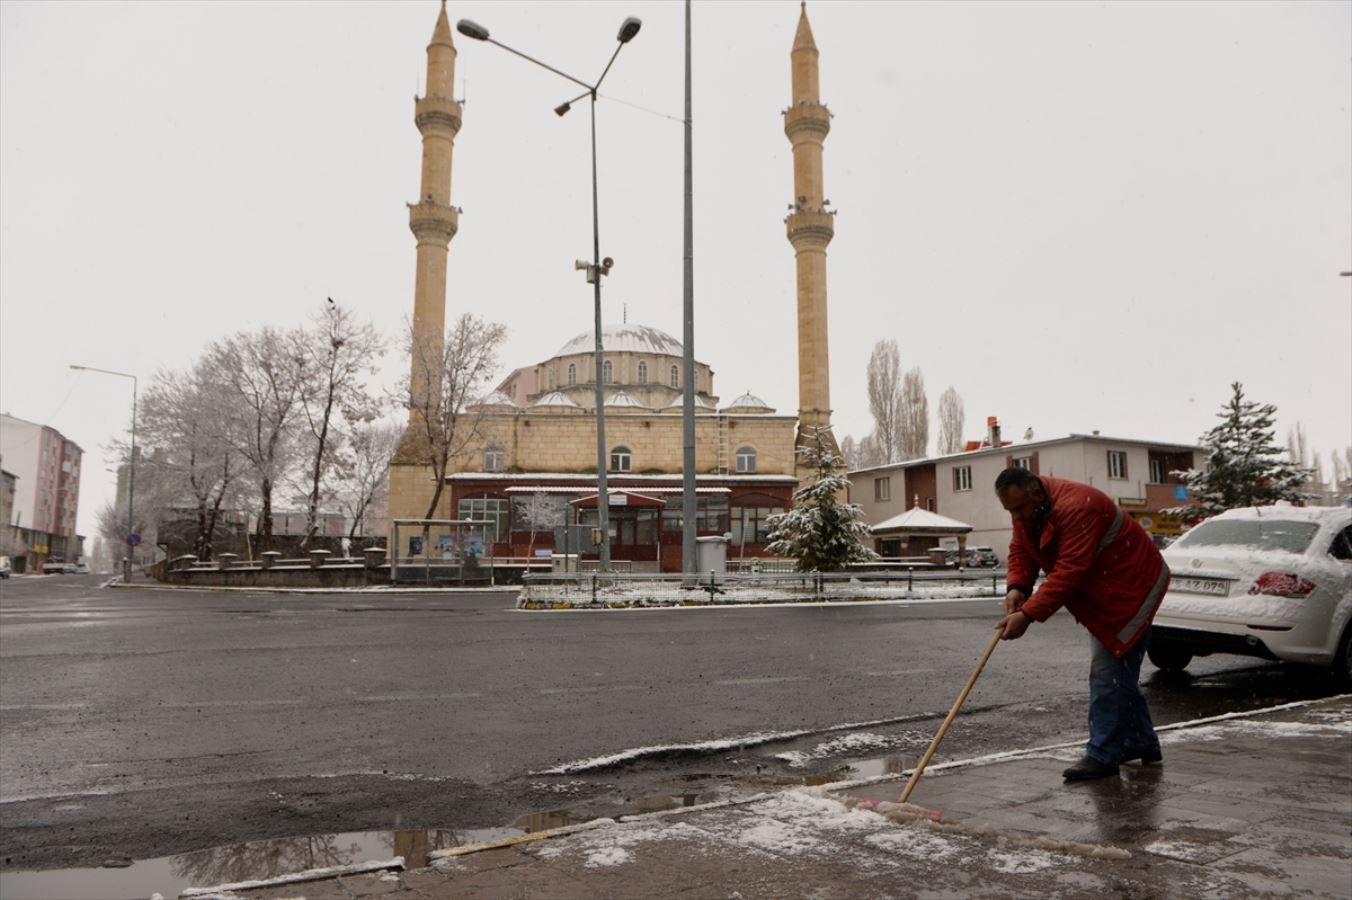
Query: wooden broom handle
{"type": "Point", "coordinates": [952, 714]}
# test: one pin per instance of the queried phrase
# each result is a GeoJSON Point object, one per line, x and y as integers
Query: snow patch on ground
{"type": "Point", "coordinates": [608, 856]}
{"type": "Point", "coordinates": [1024, 862]}
{"type": "Point", "coordinates": [855, 743]}
{"type": "Point", "coordinates": [917, 843]}
{"type": "Point", "coordinates": [1220, 731]}
{"type": "Point", "coordinates": [1180, 850]}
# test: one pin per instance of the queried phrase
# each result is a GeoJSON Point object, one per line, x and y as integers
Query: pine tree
{"type": "Point", "coordinates": [821, 532]}
{"type": "Point", "coordinates": [1244, 463]}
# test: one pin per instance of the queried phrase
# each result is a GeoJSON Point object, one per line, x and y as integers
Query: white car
{"type": "Point", "coordinates": [1268, 581]}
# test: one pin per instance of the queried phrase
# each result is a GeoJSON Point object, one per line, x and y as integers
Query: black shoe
{"type": "Point", "coordinates": [1088, 768]}
{"type": "Point", "coordinates": [1146, 757]}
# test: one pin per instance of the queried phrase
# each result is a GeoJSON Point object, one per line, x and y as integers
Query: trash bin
{"type": "Point", "coordinates": [712, 554]}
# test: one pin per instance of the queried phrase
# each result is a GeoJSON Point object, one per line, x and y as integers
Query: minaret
{"type": "Point", "coordinates": [810, 229]}
{"type": "Point", "coordinates": [432, 219]}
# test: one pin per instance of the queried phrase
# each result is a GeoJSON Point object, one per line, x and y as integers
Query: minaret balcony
{"type": "Point", "coordinates": [807, 121]}
{"type": "Point", "coordinates": [432, 220]}
{"type": "Point", "coordinates": [810, 227]}
{"type": "Point", "coordinates": [436, 113]}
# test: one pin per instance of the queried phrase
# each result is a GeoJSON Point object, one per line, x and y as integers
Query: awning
{"type": "Point", "coordinates": [622, 498]}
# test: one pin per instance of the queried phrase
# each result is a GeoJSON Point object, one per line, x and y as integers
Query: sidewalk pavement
{"type": "Point", "coordinates": [1250, 805]}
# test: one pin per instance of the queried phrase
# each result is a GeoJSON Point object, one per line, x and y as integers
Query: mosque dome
{"type": "Point", "coordinates": [495, 400]}
{"type": "Point", "coordinates": [678, 405]}
{"type": "Point", "coordinates": [749, 403]}
{"type": "Point", "coordinates": [624, 339]}
{"type": "Point", "coordinates": [625, 403]}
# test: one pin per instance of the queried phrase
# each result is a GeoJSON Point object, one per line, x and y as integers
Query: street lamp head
{"type": "Point", "coordinates": [628, 29]}
{"type": "Point", "coordinates": [562, 108]}
{"type": "Point", "coordinates": [472, 29]}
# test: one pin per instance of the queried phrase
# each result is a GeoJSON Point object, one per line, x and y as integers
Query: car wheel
{"type": "Point", "coordinates": [1167, 658]}
{"type": "Point", "coordinates": [1342, 660]}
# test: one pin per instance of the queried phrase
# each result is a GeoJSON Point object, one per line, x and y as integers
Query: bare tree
{"type": "Point", "coordinates": [868, 452]}
{"type": "Point", "coordinates": [913, 416]}
{"type": "Point", "coordinates": [262, 375]}
{"type": "Point", "coordinates": [446, 377]}
{"type": "Point", "coordinates": [849, 452]}
{"type": "Point", "coordinates": [339, 352]}
{"type": "Point", "coordinates": [884, 398]}
{"type": "Point", "coordinates": [951, 417]}
{"type": "Point", "coordinates": [365, 469]}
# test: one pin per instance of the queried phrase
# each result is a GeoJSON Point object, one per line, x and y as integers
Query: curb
{"type": "Point", "coordinates": [839, 786]}
{"type": "Point", "coordinates": [206, 589]}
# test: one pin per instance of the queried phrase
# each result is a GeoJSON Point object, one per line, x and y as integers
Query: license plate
{"type": "Point", "coordinates": [1212, 586]}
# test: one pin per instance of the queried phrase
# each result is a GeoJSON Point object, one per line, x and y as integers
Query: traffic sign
{"type": "Point", "coordinates": [133, 540]}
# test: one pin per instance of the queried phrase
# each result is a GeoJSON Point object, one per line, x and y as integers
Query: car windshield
{"type": "Point", "coordinates": [1257, 534]}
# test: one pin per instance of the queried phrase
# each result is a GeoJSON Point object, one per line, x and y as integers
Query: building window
{"type": "Point", "coordinates": [962, 478]}
{"type": "Point", "coordinates": [882, 488]}
{"type": "Point", "coordinates": [675, 377]}
{"type": "Point", "coordinates": [643, 373]}
{"type": "Point", "coordinates": [485, 509]}
{"type": "Point", "coordinates": [495, 458]}
{"type": "Point", "coordinates": [1156, 470]}
{"type": "Point", "coordinates": [620, 459]}
{"type": "Point", "coordinates": [929, 504]}
{"type": "Point", "coordinates": [1023, 462]}
{"type": "Point", "coordinates": [751, 524]}
{"type": "Point", "coordinates": [607, 372]}
{"type": "Point", "coordinates": [746, 459]}
{"type": "Point", "coordinates": [572, 374]}
{"type": "Point", "coordinates": [1117, 464]}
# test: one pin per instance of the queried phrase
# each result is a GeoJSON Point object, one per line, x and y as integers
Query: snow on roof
{"type": "Point", "coordinates": [749, 402]}
{"type": "Point", "coordinates": [917, 519]}
{"type": "Point", "coordinates": [701, 404]}
{"type": "Point", "coordinates": [621, 400]}
{"type": "Point", "coordinates": [496, 398]}
{"type": "Point", "coordinates": [556, 399]}
{"type": "Point", "coordinates": [624, 338]}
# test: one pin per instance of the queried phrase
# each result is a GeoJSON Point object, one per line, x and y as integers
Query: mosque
{"type": "Point", "coordinates": [535, 463]}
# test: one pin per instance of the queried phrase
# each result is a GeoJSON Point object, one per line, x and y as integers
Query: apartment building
{"type": "Point", "coordinates": [1134, 472]}
{"type": "Point", "coordinates": [46, 501]}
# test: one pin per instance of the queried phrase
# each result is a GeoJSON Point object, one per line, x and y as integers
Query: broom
{"type": "Point", "coordinates": [952, 714]}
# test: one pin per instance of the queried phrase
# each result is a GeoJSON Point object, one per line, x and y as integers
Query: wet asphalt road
{"type": "Point", "coordinates": [138, 723]}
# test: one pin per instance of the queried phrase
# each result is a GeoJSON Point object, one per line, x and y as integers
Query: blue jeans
{"type": "Point", "coordinates": [1119, 719]}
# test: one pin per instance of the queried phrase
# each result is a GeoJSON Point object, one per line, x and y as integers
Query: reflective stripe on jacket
{"type": "Point", "coordinates": [1100, 564]}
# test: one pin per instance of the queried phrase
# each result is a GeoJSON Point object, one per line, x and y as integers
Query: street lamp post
{"type": "Point", "coordinates": [597, 267]}
{"type": "Point", "coordinates": [131, 470]}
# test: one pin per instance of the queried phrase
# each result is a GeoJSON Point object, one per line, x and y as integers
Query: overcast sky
{"type": "Point", "coordinates": [1081, 215]}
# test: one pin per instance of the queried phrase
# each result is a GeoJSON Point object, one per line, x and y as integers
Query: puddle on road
{"type": "Point", "coordinates": [168, 875]}
{"type": "Point", "coordinates": [256, 860]}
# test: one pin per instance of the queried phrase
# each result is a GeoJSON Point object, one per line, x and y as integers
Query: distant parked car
{"type": "Point", "coordinates": [5, 567]}
{"type": "Point", "coordinates": [82, 569]}
{"type": "Point", "coordinates": [985, 557]}
{"type": "Point", "coordinates": [1272, 581]}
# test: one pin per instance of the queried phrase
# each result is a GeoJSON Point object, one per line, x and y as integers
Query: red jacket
{"type": "Point", "coordinates": [1100, 565]}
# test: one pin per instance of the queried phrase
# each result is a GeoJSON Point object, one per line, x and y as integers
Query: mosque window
{"type": "Point", "coordinates": [746, 459]}
{"type": "Point", "coordinates": [675, 377]}
{"type": "Point", "coordinates": [621, 459]}
{"type": "Point", "coordinates": [495, 512]}
{"type": "Point", "coordinates": [608, 373]}
{"type": "Point", "coordinates": [572, 374]}
{"type": "Point", "coordinates": [643, 373]}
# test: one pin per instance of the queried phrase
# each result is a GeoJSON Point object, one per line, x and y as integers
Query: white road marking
{"type": "Point", "coordinates": [765, 679]}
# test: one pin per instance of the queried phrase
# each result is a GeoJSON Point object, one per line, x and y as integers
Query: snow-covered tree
{"type": "Point", "coordinates": [820, 532]}
{"type": "Point", "coordinates": [536, 513]}
{"type": "Point", "coordinates": [951, 415]}
{"type": "Point", "coordinates": [913, 416]}
{"type": "Point", "coordinates": [1299, 449]}
{"type": "Point", "coordinates": [1244, 463]}
{"type": "Point", "coordinates": [885, 399]}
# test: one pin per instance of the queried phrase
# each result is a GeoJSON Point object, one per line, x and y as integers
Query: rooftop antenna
{"type": "Point", "coordinates": [625, 317]}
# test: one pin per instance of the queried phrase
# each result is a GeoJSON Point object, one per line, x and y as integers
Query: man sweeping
{"type": "Point", "coordinates": [1104, 568]}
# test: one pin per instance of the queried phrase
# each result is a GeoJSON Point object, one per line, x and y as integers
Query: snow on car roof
{"type": "Point", "coordinates": [1287, 511]}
